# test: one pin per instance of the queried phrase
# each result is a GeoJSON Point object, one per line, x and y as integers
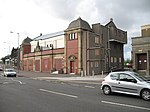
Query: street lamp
{"type": "Point", "coordinates": [18, 51]}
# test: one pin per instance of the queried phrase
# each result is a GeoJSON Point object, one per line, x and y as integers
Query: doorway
{"type": "Point", "coordinates": [72, 67]}
{"type": "Point", "coordinates": [142, 61]}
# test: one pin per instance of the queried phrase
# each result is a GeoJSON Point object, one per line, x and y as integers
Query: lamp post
{"type": "Point", "coordinates": [18, 62]}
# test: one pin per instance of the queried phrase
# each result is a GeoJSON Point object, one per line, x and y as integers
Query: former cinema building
{"type": "Point", "coordinates": [80, 48]}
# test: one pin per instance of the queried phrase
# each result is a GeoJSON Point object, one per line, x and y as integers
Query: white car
{"type": "Point", "coordinates": [126, 82]}
{"type": "Point", "coordinates": [10, 72]}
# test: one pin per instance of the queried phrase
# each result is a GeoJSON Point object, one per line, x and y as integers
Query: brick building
{"type": "Point", "coordinates": [81, 47]}
{"type": "Point", "coordinates": [141, 51]}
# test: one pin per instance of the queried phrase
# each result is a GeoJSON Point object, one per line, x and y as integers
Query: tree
{"type": "Point", "coordinates": [128, 63]}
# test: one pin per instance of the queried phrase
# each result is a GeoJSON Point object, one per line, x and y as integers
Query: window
{"type": "Point", "coordinates": [72, 36]}
{"type": "Point", "coordinates": [112, 60]}
{"type": "Point", "coordinates": [97, 40]}
{"type": "Point", "coordinates": [116, 32]}
{"type": "Point", "coordinates": [96, 64]}
{"type": "Point", "coordinates": [107, 59]}
{"type": "Point", "coordinates": [101, 39]}
{"type": "Point", "coordinates": [114, 76]}
{"type": "Point", "coordinates": [126, 78]}
{"type": "Point", "coordinates": [97, 52]}
{"type": "Point", "coordinates": [115, 59]}
{"type": "Point", "coordinates": [119, 33]}
{"type": "Point", "coordinates": [91, 64]}
{"type": "Point", "coordinates": [120, 60]}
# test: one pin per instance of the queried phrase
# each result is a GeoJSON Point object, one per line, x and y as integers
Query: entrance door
{"type": "Point", "coordinates": [72, 67]}
{"type": "Point", "coordinates": [142, 61]}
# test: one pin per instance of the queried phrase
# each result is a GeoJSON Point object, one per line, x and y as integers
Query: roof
{"type": "Point", "coordinates": [111, 23]}
{"type": "Point", "coordinates": [145, 26]}
{"type": "Point", "coordinates": [51, 35]}
{"type": "Point", "coordinates": [79, 23]}
{"type": "Point", "coordinates": [26, 40]}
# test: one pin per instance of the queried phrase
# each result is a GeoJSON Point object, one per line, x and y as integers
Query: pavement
{"type": "Point", "coordinates": [61, 77]}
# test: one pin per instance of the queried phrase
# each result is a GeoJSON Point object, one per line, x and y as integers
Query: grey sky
{"type": "Point", "coordinates": [32, 17]}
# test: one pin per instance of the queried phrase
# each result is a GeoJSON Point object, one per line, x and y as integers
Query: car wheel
{"type": "Point", "coordinates": [106, 90]}
{"type": "Point", "coordinates": [145, 94]}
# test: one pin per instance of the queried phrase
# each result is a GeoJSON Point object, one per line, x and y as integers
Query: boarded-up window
{"type": "Point", "coordinates": [58, 64]}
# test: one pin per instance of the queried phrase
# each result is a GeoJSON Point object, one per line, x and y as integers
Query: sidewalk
{"type": "Point", "coordinates": [60, 77]}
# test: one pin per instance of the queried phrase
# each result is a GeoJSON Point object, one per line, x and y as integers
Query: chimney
{"type": "Point", "coordinates": [111, 19]}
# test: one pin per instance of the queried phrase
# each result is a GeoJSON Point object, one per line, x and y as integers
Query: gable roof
{"type": "Point", "coordinates": [111, 23]}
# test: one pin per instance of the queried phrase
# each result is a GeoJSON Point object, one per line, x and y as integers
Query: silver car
{"type": "Point", "coordinates": [10, 72]}
{"type": "Point", "coordinates": [126, 82]}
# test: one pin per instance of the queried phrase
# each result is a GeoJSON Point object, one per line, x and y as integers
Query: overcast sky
{"type": "Point", "coordinates": [32, 17]}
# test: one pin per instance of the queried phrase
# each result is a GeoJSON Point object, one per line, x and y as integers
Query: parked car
{"type": "Point", "coordinates": [10, 72]}
{"type": "Point", "coordinates": [126, 82]}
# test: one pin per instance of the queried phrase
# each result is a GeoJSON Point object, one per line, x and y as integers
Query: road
{"type": "Point", "coordinates": [22, 94]}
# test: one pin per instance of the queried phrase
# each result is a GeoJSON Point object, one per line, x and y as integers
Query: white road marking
{"type": "Point", "coordinates": [89, 87]}
{"type": "Point", "coordinates": [17, 81]}
{"type": "Point", "coordinates": [5, 82]}
{"type": "Point", "coordinates": [126, 105]}
{"type": "Point", "coordinates": [63, 94]}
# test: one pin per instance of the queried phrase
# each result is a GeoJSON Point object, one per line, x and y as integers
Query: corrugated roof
{"type": "Point", "coordinates": [42, 37]}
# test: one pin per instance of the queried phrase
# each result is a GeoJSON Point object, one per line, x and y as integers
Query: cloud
{"type": "Point", "coordinates": [126, 13]}
{"type": "Point", "coordinates": [32, 17]}
{"type": "Point", "coordinates": [63, 9]}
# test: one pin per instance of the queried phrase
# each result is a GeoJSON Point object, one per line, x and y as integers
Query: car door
{"type": "Point", "coordinates": [127, 84]}
{"type": "Point", "coordinates": [114, 81]}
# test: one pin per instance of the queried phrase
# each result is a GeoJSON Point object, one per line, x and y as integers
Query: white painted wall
{"type": "Point", "coordinates": [58, 42]}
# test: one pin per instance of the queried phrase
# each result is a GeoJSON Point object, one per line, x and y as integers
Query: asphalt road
{"type": "Point", "coordinates": [23, 94]}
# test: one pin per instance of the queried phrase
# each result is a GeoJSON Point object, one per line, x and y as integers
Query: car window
{"type": "Point", "coordinates": [140, 77]}
{"type": "Point", "coordinates": [114, 76]}
{"type": "Point", "coordinates": [126, 78]}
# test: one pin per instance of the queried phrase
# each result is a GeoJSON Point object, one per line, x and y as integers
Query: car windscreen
{"type": "Point", "coordinates": [140, 77]}
{"type": "Point", "coordinates": [9, 70]}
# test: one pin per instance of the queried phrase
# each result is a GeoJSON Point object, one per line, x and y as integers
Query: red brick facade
{"type": "Point", "coordinates": [43, 61]}
{"type": "Point", "coordinates": [71, 55]}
